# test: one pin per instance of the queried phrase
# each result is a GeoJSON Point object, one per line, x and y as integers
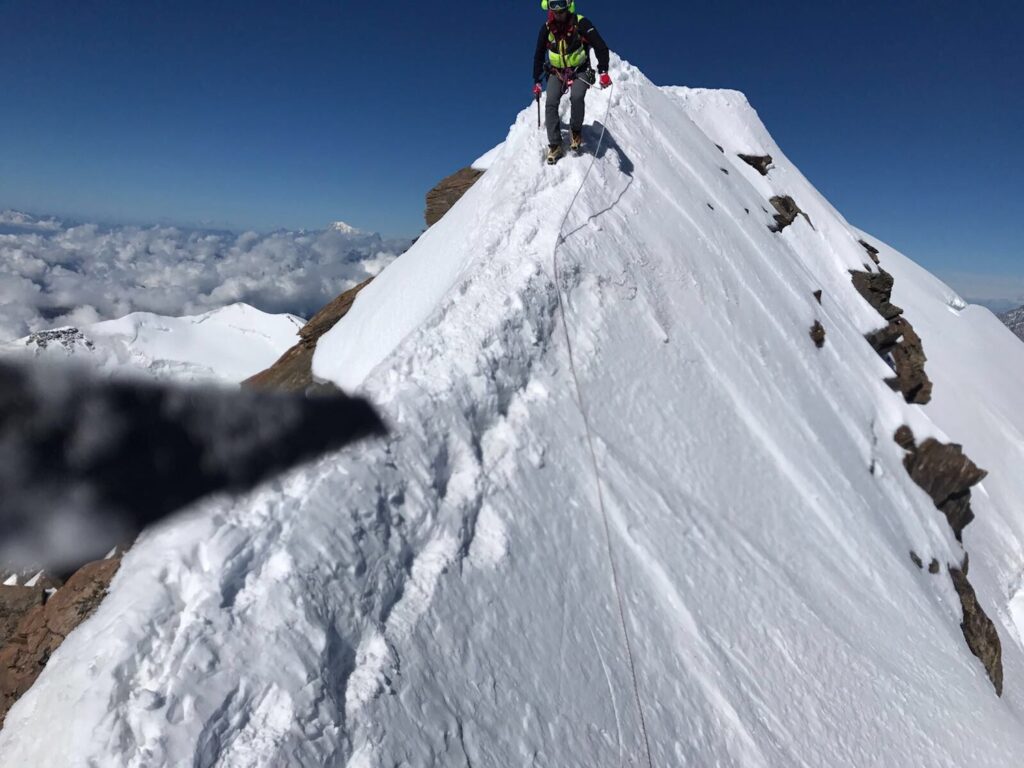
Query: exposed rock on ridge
{"type": "Point", "coordinates": [43, 628]}
{"type": "Point", "coordinates": [15, 603]}
{"type": "Point", "coordinates": [947, 475]}
{"type": "Point", "coordinates": [787, 211]}
{"type": "Point", "coordinates": [897, 343]}
{"type": "Point", "coordinates": [942, 471]}
{"type": "Point", "coordinates": [447, 192]}
{"type": "Point", "coordinates": [978, 629]}
{"type": "Point", "coordinates": [760, 163]}
{"type": "Point", "coordinates": [293, 371]}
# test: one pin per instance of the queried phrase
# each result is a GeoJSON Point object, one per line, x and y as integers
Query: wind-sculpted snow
{"type": "Point", "coordinates": [54, 274]}
{"type": "Point", "coordinates": [445, 598]}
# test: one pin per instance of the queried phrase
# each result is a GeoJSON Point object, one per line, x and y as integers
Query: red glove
{"type": "Point", "coordinates": [536, 90]}
{"type": "Point", "coordinates": [605, 80]}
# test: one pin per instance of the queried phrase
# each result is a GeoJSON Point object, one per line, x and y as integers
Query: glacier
{"type": "Point", "coordinates": [450, 595]}
{"type": "Point", "coordinates": [223, 346]}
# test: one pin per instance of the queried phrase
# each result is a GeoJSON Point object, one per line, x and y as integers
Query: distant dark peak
{"type": "Point", "coordinates": [760, 163]}
{"type": "Point", "coordinates": [68, 338]}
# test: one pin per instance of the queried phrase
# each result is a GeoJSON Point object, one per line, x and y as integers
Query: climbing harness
{"type": "Point", "coordinates": [590, 443]}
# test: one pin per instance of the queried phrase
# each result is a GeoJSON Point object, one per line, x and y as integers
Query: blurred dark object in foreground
{"type": "Point", "coordinates": [87, 463]}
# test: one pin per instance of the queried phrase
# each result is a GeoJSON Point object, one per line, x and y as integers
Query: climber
{"type": "Point", "coordinates": [563, 54]}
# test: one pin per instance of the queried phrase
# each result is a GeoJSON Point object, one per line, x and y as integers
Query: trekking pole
{"type": "Point", "coordinates": [537, 99]}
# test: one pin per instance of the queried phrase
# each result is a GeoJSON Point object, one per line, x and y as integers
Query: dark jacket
{"type": "Point", "coordinates": [591, 39]}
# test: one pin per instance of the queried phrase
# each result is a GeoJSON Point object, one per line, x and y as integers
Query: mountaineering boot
{"type": "Point", "coordinates": [576, 145]}
{"type": "Point", "coordinates": [555, 153]}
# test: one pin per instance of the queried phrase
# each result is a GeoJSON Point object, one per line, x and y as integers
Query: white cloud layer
{"type": "Point", "coordinates": [55, 274]}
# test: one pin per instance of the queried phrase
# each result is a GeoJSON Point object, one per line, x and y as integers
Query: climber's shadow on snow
{"type": "Point", "coordinates": [592, 135]}
{"type": "Point", "coordinates": [87, 463]}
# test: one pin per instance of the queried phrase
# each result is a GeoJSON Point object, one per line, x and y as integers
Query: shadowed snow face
{"type": "Point", "coordinates": [85, 465]}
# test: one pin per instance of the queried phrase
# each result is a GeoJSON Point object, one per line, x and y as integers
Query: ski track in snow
{"type": "Point", "coordinates": [443, 597]}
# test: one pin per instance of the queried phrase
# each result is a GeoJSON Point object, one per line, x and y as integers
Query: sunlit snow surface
{"type": "Point", "coordinates": [224, 346]}
{"type": "Point", "coordinates": [444, 598]}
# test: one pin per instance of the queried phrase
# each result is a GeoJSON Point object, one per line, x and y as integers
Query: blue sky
{"type": "Point", "coordinates": [908, 115]}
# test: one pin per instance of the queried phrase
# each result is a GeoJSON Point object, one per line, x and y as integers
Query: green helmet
{"type": "Point", "coordinates": [559, 5]}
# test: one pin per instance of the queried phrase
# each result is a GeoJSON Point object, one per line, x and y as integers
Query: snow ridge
{"type": "Point", "coordinates": [442, 597]}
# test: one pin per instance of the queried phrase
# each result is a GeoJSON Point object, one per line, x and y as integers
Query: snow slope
{"type": "Point", "coordinates": [225, 345]}
{"type": "Point", "coordinates": [446, 597]}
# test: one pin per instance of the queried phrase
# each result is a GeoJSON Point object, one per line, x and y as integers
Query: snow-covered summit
{"type": "Point", "coordinates": [345, 229]}
{"type": "Point", "coordinates": [225, 345]}
{"type": "Point", "coordinates": [605, 429]}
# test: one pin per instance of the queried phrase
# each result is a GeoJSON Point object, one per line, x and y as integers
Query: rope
{"type": "Point", "coordinates": [593, 454]}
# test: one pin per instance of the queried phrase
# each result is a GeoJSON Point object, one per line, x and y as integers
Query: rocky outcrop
{"type": "Point", "coordinates": [447, 192]}
{"type": "Point", "coordinates": [68, 339]}
{"type": "Point", "coordinates": [900, 346]}
{"type": "Point", "coordinates": [786, 212]}
{"type": "Point", "coordinates": [872, 251]}
{"type": "Point", "coordinates": [43, 628]}
{"type": "Point", "coordinates": [947, 476]}
{"type": "Point", "coordinates": [818, 334]}
{"type": "Point", "coordinates": [1014, 320]}
{"type": "Point", "coordinates": [876, 289]}
{"type": "Point", "coordinates": [760, 163]}
{"type": "Point", "coordinates": [897, 343]}
{"type": "Point", "coordinates": [979, 631]}
{"type": "Point", "coordinates": [293, 371]}
{"type": "Point", "coordinates": [15, 604]}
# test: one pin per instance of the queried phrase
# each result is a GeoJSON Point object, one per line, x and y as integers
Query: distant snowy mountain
{"type": "Point", "coordinates": [345, 229]}
{"type": "Point", "coordinates": [1014, 320]}
{"type": "Point", "coordinates": [226, 345]}
{"type": "Point", "coordinates": [642, 502]}
{"type": "Point", "coordinates": [15, 222]}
